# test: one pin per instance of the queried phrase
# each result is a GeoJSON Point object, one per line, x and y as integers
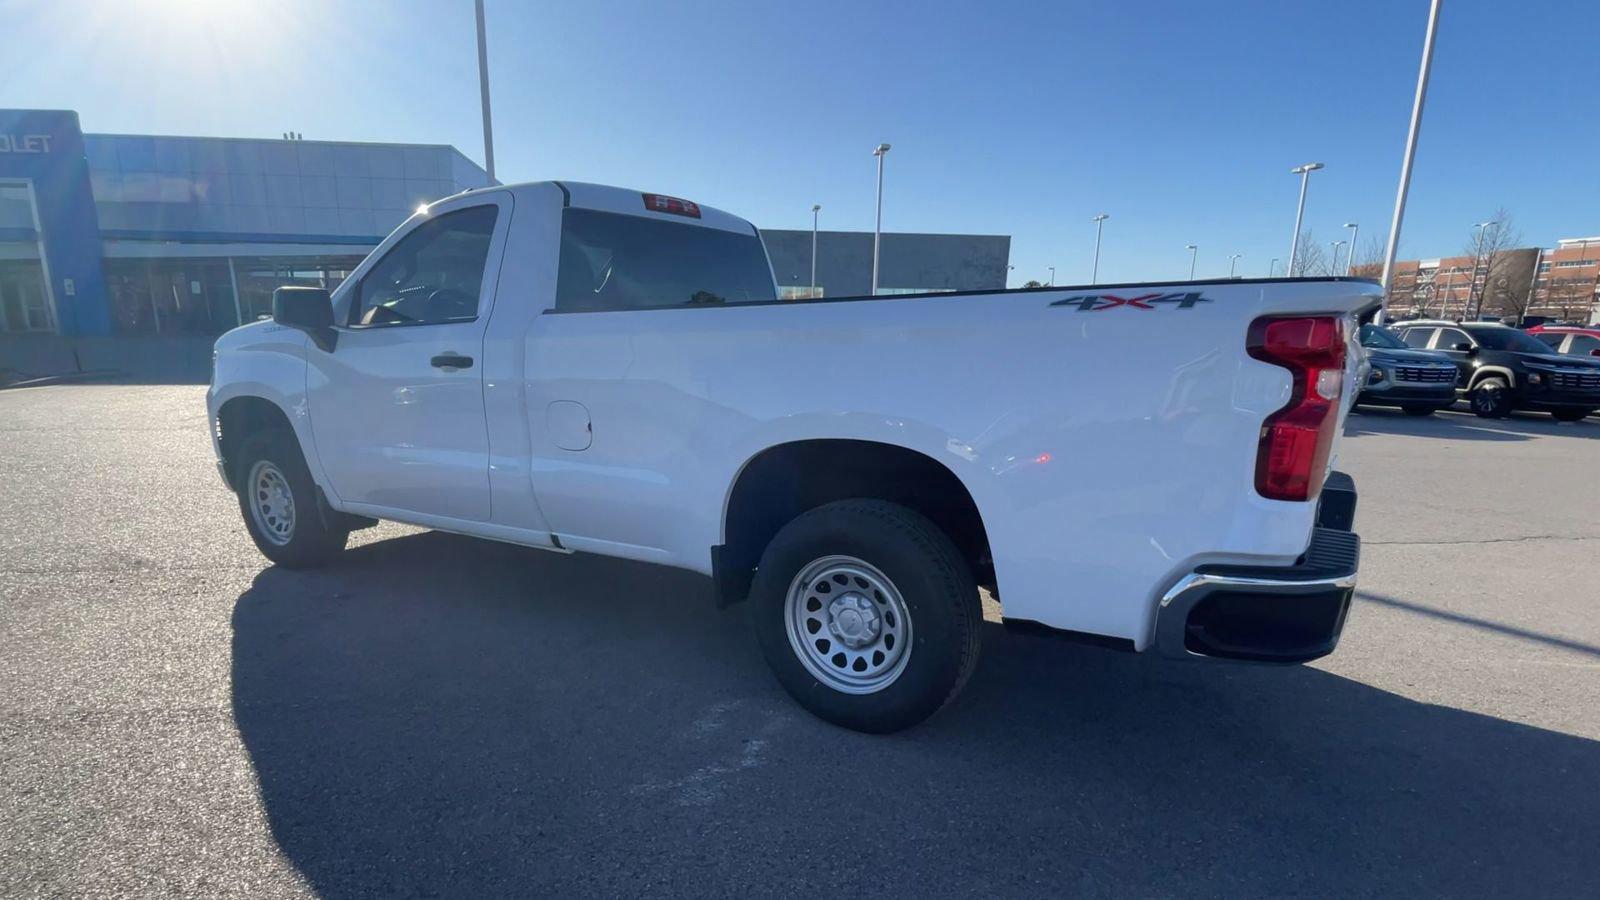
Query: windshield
{"type": "Point", "coordinates": [616, 261]}
{"type": "Point", "coordinates": [1509, 339]}
{"type": "Point", "coordinates": [1380, 337]}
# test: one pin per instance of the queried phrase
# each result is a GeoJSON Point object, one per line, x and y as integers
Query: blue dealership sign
{"type": "Point", "coordinates": [45, 148]}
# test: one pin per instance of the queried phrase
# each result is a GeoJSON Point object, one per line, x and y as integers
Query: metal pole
{"type": "Point", "coordinates": [1333, 264]}
{"type": "Point", "coordinates": [815, 208]}
{"type": "Point", "coordinates": [877, 228]}
{"type": "Point", "coordinates": [1052, 275]}
{"type": "Point", "coordinates": [1271, 266]}
{"type": "Point", "coordinates": [1411, 152]}
{"type": "Point", "coordinates": [1099, 224]}
{"type": "Point", "coordinates": [1299, 213]}
{"type": "Point", "coordinates": [1350, 260]}
{"type": "Point", "coordinates": [1194, 251]}
{"type": "Point", "coordinates": [1477, 260]}
{"type": "Point", "coordinates": [483, 89]}
{"type": "Point", "coordinates": [238, 306]}
{"type": "Point", "coordinates": [1533, 284]}
{"type": "Point", "coordinates": [1232, 261]}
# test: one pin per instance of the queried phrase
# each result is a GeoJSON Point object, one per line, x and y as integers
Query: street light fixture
{"type": "Point", "coordinates": [1300, 211]}
{"type": "Point", "coordinates": [1099, 224]}
{"type": "Point", "coordinates": [1052, 275]}
{"type": "Point", "coordinates": [1272, 266]}
{"type": "Point", "coordinates": [1233, 261]}
{"type": "Point", "coordinates": [815, 209]}
{"type": "Point", "coordinates": [1350, 260]}
{"type": "Point", "coordinates": [1474, 296]}
{"type": "Point", "coordinates": [1194, 251]}
{"type": "Point", "coordinates": [1333, 264]}
{"type": "Point", "coordinates": [877, 228]}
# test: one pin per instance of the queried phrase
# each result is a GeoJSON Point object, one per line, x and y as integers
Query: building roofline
{"type": "Point", "coordinates": [271, 140]}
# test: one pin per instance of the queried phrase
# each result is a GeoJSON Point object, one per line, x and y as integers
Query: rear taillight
{"type": "Point", "coordinates": [1293, 455]}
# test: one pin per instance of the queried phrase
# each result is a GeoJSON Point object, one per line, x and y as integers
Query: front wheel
{"type": "Point", "coordinates": [867, 614]}
{"type": "Point", "coordinates": [1570, 415]}
{"type": "Point", "coordinates": [279, 502]}
{"type": "Point", "coordinates": [1491, 398]}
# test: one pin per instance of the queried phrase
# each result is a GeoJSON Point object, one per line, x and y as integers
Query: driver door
{"type": "Point", "coordinates": [397, 407]}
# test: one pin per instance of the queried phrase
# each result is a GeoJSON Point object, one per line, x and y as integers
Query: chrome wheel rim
{"type": "Point", "coordinates": [271, 502]}
{"type": "Point", "coordinates": [848, 625]}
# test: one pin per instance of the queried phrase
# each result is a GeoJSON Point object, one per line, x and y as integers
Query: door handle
{"type": "Point", "coordinates": [452, 361]}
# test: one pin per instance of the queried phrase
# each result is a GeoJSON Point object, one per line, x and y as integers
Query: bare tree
{"type": "Point", "coordinates": [1368, 260]}
{"type": "Point", "coordinates": [1487, 247]}
{"type": "Point", "coordinates": [1310, 259]}
{"type": "Point", "coordinates": [1569, 295]}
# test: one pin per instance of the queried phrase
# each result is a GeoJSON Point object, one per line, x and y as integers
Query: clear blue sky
{"type": "Point", "coordinates": [1180, 119]}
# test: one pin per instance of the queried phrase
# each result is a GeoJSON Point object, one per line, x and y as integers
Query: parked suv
{"type": "Point", "coordinates": [1569, 340]}
{"type": "Point", "coordinates": [1417, 381]}
{"type": "Point", "coordinates": [1503, 369]}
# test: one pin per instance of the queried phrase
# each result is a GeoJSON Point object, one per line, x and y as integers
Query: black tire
{"type": "Point", "coordinates": [1570, 415]}
{"type": "Point", "coordinates": [940, 600]}
{"type": "Point", "coordinates": [1415, 410]}
{"type": "Point", "coordinates": [309, 540]}
{"type": "Point", "coordinates": [1490, 398]}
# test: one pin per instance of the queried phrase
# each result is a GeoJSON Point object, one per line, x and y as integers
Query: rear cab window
{"type": "Point", "coordinates": [615, 261]}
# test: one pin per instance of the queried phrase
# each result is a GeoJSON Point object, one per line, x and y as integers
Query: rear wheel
{"type": "Point", "coordinates": [1570, 415]}
{"type": "Point", "coordinates": [280, 505]}
{"type": "Point", "coordinates": [1415, 410]}
{"type": "Point", "coordinates": [1491, 398]}
{"type": "Point", "coordinates": [867, 613]}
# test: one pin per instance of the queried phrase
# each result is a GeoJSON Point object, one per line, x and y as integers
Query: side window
{"type": "Point", "coordinates": [1450, 337]}
{"type": "Point", "coordinates": [1552, 339]}
{"type": "Point", "coordinates": [1584, 345]}
{"type": "Point", "coordinates": [433, 275]}
{"type": "Point", "coordinates": [1419, 337]}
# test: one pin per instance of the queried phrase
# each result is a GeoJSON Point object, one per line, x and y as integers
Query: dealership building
{"type": "Point", "coordinates": [115, 234]}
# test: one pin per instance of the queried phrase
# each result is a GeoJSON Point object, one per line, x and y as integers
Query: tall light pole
{"type": "Point", "coordinates": [1411, 153]}
{"type": "Point", "coordinates": [1099, 224]}
{"type": "Point", "coordinates": [1333, 264]}
{"type": "Point", "coordinates": [1271, 266]}
{"type": "Point", "coordinates": [1474, 297]}
{"type": "Point", "coordinates": [1052, 275]}
{"type": "Point", "coordinates": [1300, 211]}
{"type": "Point", "coordinates": [1233, 261]}
{"type": "Point", "coordinates": [877, 228]}
{"type": "Point", "coordinates": [1350, 261]}
{"type": "Point", "coordinates": [1194, 251]}
{"type": "Point", "coordinates": [815, 208]}
{"type": "Point", "coordinates": [483, 90]}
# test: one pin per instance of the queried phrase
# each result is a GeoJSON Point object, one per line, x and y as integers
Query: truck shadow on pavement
{"type": "Point", "coordinates": [441, 716]}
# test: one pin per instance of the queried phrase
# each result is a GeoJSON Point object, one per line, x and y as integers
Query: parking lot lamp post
{"type": "Point", "coordinates": [1052, 276]}
{"type": "Point", "coordinates": [1300, 210]}
{"type": "Point", "coordinates": [1415, 129]}
{"type": "Point", "coordinates": [815, 208]}
{"type": "Point", "coordinates": [483, 94]}
{"type": "Point", "coordinates": [877, 228]}
{"type": "Point", "coordinates": [1194, 251]}
{"type": "Point", "coordinates": [1099, 224]}
{"type": "Point", "coordinates": [1271, 266]}
{"type": "Point", "coordinates": [1233, 261]}
{"type": "Point", "coordinates": [1350, 261]}
{"type": "Point", "coordinates": [1473, 296]}
{"type": "Point", "coordinates": [1333, 264]}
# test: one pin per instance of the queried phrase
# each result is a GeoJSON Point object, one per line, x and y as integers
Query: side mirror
{"type": "Point", "coordinates": [306, 309]}
{"type": "Point", "coordinates": [1463, 346]}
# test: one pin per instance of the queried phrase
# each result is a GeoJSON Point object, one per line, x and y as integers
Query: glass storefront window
{"type": "Point", "coordinates": [195, 295]}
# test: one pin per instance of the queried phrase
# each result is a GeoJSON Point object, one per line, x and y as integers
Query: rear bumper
{"type": "Point", "coordinates": [1282, 614]}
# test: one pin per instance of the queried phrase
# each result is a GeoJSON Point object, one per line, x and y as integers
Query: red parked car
{"type": "Point", "coordinates": [1570, 340]}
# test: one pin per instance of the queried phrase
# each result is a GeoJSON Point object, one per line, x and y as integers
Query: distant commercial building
{"type": "Point", "coordinates": [1567, 286]}
{"type": "Point", "coordinates": [137, 234]}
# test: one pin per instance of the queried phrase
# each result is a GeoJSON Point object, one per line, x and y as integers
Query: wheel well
{"type": "Point", "coordinates": [241, 417]}
{"type": "Point", "coordinates": [784, 481]}
{"type": "Point", "coordinates": [1481, 374]}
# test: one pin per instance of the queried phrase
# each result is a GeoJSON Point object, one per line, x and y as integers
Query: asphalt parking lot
{"type": "Point", "coordinates": [441, 716]}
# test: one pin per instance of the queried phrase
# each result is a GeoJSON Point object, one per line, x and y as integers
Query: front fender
{"type": "Point", "coordinates": [269, 364]}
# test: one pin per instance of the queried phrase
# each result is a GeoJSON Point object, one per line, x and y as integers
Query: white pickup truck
{"type": "Point", "coordinates": [589, 369]}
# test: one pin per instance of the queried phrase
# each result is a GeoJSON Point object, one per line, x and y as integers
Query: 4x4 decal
{"type": "Point", "coordinates": [1098, 302]}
